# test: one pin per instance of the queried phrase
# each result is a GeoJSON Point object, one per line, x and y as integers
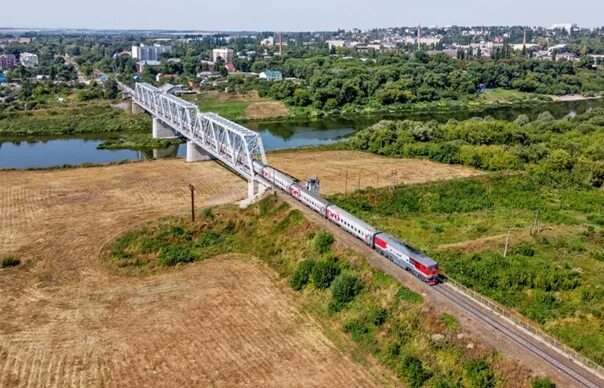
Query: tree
{"type": "Point", "coordinates": [414, 372]}
{"type": "Point", "coordinates": [345, 288]}
{"type": "Point", "coordinates": [111, 89]}
{"type": "Point", "coordinates": [301, 275]}
{"type": "Point", "coordinates": [324, 272]}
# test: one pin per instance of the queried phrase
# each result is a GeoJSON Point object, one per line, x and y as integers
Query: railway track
{"type": "Point", "coordinates": [515, 335]}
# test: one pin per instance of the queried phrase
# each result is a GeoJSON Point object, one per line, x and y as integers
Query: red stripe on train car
{"type": "Point", "coordinates": [381, 243]}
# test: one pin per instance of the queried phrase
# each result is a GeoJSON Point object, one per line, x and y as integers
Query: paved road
{"type": "Point", "coordinates": [518, 344]}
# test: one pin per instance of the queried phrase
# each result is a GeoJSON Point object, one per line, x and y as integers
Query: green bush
{"type": "Point", "coordinates": [208, 238]}
{"type": "Point", "coordinates": [301, 275]}
{"type": "Point", "coordinates": [345, 288]}
{"type": "Point", "coordinates": [479, 374]}
{"type": "Point", "coordinates": [173, 255]}
{"type": "Point", "coordinates": [413, 371]}
{"type": "Point", "coordinates": [544, 382]}
{"type": "Point", "coordinates": [324, 272]}
{"type": "Point", "coordinates": [10, 261]}
{"type": "Point", "coordinates": [450, 322]}
{"type": "Point", "coordinates": [323, 241]}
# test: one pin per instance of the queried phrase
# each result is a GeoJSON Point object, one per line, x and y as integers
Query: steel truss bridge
{"type": "Point", "coordinates": [230, 143]}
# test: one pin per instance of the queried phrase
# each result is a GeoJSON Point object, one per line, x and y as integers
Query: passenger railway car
{"type": "Point", "coordinates": [401, 254]}
{"type": "Point", "coordinates": [351, 224]}
{"type": "Point", "coordinates": [311, 200]}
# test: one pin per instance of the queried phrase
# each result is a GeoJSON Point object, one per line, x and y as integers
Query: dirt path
{"type": "Point", "coordinates": [64, 321]}
{"type": "Point", "coordinates": [341, 171]}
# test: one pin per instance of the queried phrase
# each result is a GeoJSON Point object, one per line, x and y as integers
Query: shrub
{"type": "Point", "coordinates": [301, 275]}
{"type": "Point", "coordinates": [345, 288]}
{"type": "Point", "coordinates": [324, 272]}
{"type": "Point", "coordinates": [323, 241]}
{"type": "Point", "coordinates": [544, 382]}
{"type": "Point", "coordinates": [208, 238]}
{"type": "Point", "coordinates": [207, 213]}
{"type": "Point", "coordinates": [525, 250]}
{"type": "Point", "coordinates": [173, 255]}
{"type": "Point", "coordinates": [414, 372]}
{"type": "Point", "coordinates": [450, 322]}
{"type": "Point", "coordinates": [10, 261]}
{"type": "Point", "coordinates": [480, 374]}
{"type": "Point", "coordinates": [407, 295]}
{"type": "Point", "coordinates": [359, 331]}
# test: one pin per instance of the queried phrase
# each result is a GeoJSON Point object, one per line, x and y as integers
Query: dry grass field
{"type": "Point", "coordinates": [364, 170]}
{"type": "Point", "coordinates": [66, 321]}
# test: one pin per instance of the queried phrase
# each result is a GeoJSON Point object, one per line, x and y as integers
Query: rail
{"type": "Point", "coordinates": [504, 312]}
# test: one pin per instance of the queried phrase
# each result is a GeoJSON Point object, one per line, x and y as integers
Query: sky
{"type": "Point", "coordinates": [288, 15]}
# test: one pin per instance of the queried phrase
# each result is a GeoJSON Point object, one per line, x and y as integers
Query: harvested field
{"type": "Point", "coordinates": [66, 321]}
{"type": "Point", "coordinates": [374, 171]}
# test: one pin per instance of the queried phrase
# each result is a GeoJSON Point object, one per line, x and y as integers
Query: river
{"type": "Point", "coordinates": [40, 152]}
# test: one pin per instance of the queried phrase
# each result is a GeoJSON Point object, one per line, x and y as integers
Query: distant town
{"type": "Point", "coordinates": [187, 61]}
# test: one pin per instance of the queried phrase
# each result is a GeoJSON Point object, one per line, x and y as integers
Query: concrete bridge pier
{"type": "Point", "coordinates": [196, 153]}
{"type": "Point", "coordinates": [255, 189]}
{"type": "Point", "coordinates": [161, 130]}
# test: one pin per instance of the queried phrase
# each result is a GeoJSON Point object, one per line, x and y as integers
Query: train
{"type": "Point", "coordinates": [400, 253]}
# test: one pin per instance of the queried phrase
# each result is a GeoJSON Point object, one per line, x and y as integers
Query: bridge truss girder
{"type": "Point", "coordinates": [230, 143]}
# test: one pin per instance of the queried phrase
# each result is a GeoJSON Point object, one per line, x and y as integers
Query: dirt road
{"type": "Point", "coordinates": [65, 321]}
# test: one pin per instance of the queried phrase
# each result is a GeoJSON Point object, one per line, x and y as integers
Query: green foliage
{"type": "Point", "coordinates": [323, 241]}
{"type": "Point", "coordinates": [542, 382]}
{"type": "Point", "coordinates": [85, 119]}
{"type": "Point", "coordinates": [209, 238]}
{"type": "Point", "coordinates": [324, 272]}
{"type": "Point", "coordinates": [344, 289]}
{"type": "Point", "coordinates": [480, 374]}
{"type": "Point", "coordinates": [554, 151]}
{"type": "Point", "coordinates": [10, 261]}
{"type": "Point", "coordinates": [405, 294]}
{"type": "Point", "coordinates": [137, 142]}
{"type": "Point", "coordinates": [413, 371]}
{"type": "Point", "coordinates": [450, 322]}
{"type": "Point", "coordinates": [169, 256]}
{"type": "Point", "coordinates": [302, 274]}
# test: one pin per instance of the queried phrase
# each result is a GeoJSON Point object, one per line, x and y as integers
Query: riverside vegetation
{"type": "Point", "coordinates": [336, 285]}
{"type": "Point", "coordinates": [546, 193]}
{"type": "Point", "coordinates": [74, 119]}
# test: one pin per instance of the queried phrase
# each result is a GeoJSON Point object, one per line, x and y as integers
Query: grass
{"type": "Point", "coordinates": [231, 107]}
{"type": "Point", "coordinates": [332, 283]}
{"type": "Point", "coordinates": [500, 95]}
{"type": "Point", "coordinates": [554, 277]}
{"type": "Point", "coordinates": [83, 118]}
{"type": "Point", "coordinates": [9, 262]}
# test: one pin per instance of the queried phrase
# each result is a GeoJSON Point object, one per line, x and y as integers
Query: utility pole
{"type": "Point", "coordinates": [535, 229]}
{"type": "Point", "coordinates": [346, 184]}
{"type": "Point", "coordinates": [507, 241]}
{"type": "Point", "coordinates": [359, 181]}
{"type": "Point", "coordinates": [192, 189]}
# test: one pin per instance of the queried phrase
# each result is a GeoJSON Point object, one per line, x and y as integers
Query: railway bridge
{"type": "Point", "coordinates": [209, 136]}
